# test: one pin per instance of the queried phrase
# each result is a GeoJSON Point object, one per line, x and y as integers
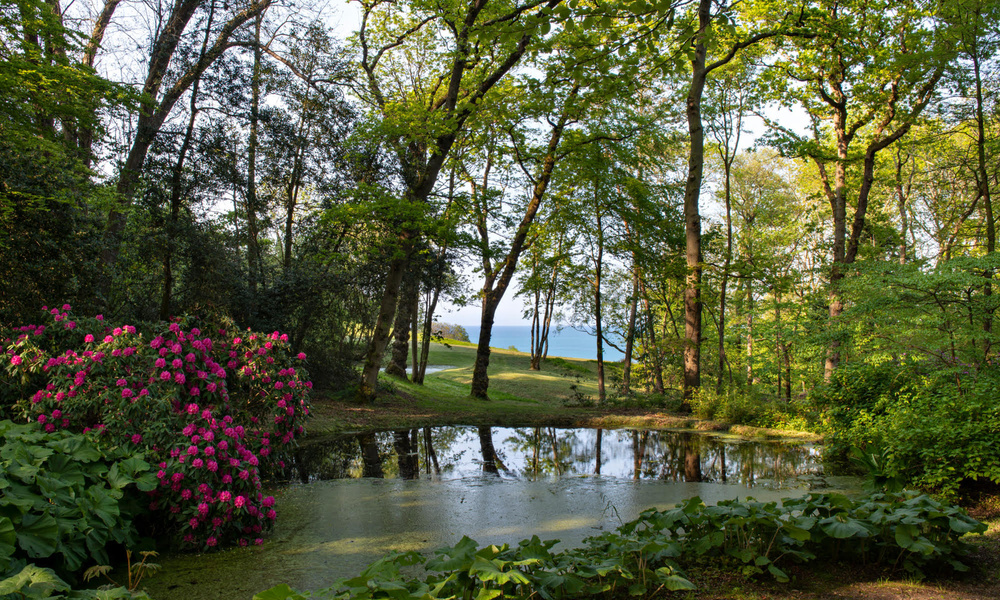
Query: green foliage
{"type": "Point", "coordinates": [62, 499]}
{"type": "Point", "coordinates": [914, 423]}
{"type": "Point", "coordinates": [751, 409]}
{"type": "Point", "coordinates": [644, 556]}
{"type": "Point", "coordinates": [33, 582]}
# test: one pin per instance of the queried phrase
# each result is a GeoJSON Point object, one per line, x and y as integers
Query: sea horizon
{"type": "Point", "coordinates": [565, 342]}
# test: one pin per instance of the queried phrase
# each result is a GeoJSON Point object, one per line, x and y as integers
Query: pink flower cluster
{"type": "Point", "coordinates": [215, 411]}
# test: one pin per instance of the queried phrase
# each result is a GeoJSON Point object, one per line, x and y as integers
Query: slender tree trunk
{"type": "Point", "coordinates": [598, 312]}
{"type": "Point", "coordinates": [750, 309]}
{"type": "Point", "coordinates": [692, 214]}
{"type": "Point", "coordinates": [492, 294]}
{"type": "Point", "coordinates": [983, 180]}
{"type": "Point", "coordinates": [633, 309]}
{"type": "Point", "coordinates": [425, 340]}
{"type": "Point", "coordinates": [380, 336]}
{"type": "Point", "coordinates": [414, 330]}
{"type": "Point", "coordinates": [253, 229]}
{"type": "Point", "coordinates": [727, 162]}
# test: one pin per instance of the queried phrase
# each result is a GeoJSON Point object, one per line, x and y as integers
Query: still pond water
{"type": "Point", "coordinates": [357, 497]}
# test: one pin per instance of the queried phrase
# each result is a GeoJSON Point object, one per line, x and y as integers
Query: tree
{"type": "Point", "coordinates": [163, 87]}
{"type": "Point", "coordinates": [852, 99]}
{"type": "Point", "coordinates": [479, 44]}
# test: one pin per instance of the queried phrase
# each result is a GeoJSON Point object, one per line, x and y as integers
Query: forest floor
{"type": "Point", "coordinates": [564, 393]}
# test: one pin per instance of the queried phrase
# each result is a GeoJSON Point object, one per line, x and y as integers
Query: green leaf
{"type": "Point", "coordinates": [488, 594]}
{"type": "Point", "coordinates": [843, 528]}
{"type": "Point", "coordinates": [39, 583]}
{"type": "Point", "coordinates": [489, 570]}
{"type": "Point", "coordinates": [672, 581]}
{"type": "Point", "coordinates": [38, 534]}
{"type": "Point", "coordinates": [778, 574]}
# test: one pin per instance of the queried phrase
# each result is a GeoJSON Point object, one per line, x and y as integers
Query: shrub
{"type": "Point", "coordinates": [212, 411]}
{"type": "Point", "coordinates": [918, 424]}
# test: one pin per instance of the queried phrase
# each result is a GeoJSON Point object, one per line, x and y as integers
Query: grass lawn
{"type": "Point", "coordinates": [563, 392]}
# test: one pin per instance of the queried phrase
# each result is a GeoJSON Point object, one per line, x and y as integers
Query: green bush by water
{"type": "Point", "coordinates": [914, 423]}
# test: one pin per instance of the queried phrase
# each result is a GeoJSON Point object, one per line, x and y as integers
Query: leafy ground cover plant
{"type": "Point", "coordinates": [213, 411]}
{"type": "Point", "coordinates": [62, 501]}
{"type": "Point", "coordinates": [644, 556]}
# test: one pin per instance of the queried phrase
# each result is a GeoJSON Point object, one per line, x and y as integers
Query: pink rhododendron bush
{"type": "Point", "coordinates": [211, 410]}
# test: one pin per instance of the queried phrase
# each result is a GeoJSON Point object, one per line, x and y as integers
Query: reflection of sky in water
{"type": "Point", "coordinates": [533, 453]}
{"type": "Point", "coordinates": [331, 529]}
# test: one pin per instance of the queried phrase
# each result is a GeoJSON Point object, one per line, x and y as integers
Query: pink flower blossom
{"type": "Point", "coordinates": [239, 502]}
{"type": "Point", "coordinates": [211, 542]}
{"type": "Point", "coordinates": [225, 496]}
{"type": "Point", "coordinates": [89, 338]}
{"type": "Point", "coordinates": [302, 356]}
{"type": "Point", "coordinates": [136, 438]}
{"type": "Point", "coordinates": [179, 378]}
{"type": "Point", "coordinates": [15, 360]}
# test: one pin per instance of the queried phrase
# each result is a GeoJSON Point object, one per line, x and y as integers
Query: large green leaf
{"type": "Point", "coordinates": [841, 527]}
{"type": "Point", "coordinates": [33, 582]}
{"type": "Point", "coordinates": [38, 534]}
{"type": "Point", "coordinates": [489, 570]}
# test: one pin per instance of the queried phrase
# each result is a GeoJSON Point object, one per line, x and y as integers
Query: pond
{"type": "Point", "coordinates": [360, 496]}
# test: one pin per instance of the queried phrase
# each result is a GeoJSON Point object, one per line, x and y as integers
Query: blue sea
{"type": "Point", "coordinates": [568, 342]}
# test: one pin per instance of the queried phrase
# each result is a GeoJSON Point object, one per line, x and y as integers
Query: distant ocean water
{"type": "Point", "coordinates": [568, 343]}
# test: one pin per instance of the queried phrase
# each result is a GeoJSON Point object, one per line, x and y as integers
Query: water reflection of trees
{"type": "Point", "coordinates": [540, 452]}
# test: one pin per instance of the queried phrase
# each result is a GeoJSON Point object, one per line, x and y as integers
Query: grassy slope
{"type": "Point", "coordinates": [562, 393]}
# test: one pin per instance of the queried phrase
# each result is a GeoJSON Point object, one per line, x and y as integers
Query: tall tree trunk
{"type": "Point", "coordinates": [253, 229]}
{"type": "Point", "coordinates": [598, 312]}
{"type": "Point", "coordinates": [727, 262]}
{"type": "Point", "coordinates": [401, 328]}
{"type": "Point", "coordinates": [652, 350]}
{"type": "Point", "coordinates": [633, 309]}
{"type": "Point", "coordinates": [983, 179]}
{"type": "Point", "coordinates": [692, 214]}
{"type": "Point", "coordinates": [380, 336]}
